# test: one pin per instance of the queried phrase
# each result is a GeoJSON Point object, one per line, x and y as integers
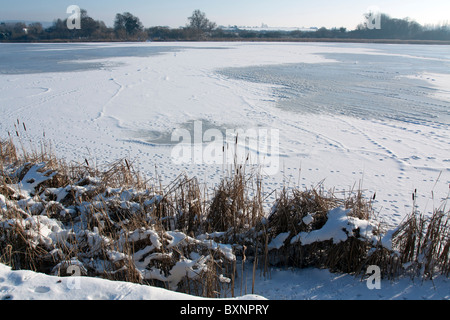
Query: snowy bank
{"type": "Point", "coordinates": [28, 285]}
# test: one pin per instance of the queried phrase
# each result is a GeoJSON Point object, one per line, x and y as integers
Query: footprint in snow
{"type": "Point", "coordinates": [5, 292]}
{"type": "Point", "coordinates": [5, 289]}
{"type": "Point", "coordinates": [42, 289]}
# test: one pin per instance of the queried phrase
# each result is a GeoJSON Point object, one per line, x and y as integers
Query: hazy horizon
{"type": "Point", "coordinates": [282, 13]}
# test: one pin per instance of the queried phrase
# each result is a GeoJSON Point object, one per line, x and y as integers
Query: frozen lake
{"type": "Point", "coordinates": [369, 115]}
{"type": "Point", "coordinates": [25, 58]}
{"type": "Point", "coordinates": [383, 86]}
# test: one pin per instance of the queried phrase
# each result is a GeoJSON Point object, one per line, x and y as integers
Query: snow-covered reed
{"type": "Point", "coordinates": [112, 222]}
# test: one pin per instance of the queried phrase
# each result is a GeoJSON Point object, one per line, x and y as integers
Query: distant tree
{"type": "Point", "coordinates": [297, 34]}
{"type": "Point", "coordinates": [199, 25]}
{"type": "Point", "coordinates": [35, 28]}
{"type": "Point", "coordinates": [103, 32]}
{"type": "Point", "coordinates": [15, 31]}
{"type": "Point", "coordinates": [437, 32]}
{"type": "Point", "coordinates": [19, 28]}
{"type": "Point", "coordinates": [5, 31]}
{"type": "Point", "coordinates": [166, 33]}
{"type": "Point", "coordinates": [119, 26]}
{"type": "Point", "coordinates": [34, 31]}
{"type": "Point", "coordinates": [58, 30]}
{"type": "Point", "coordinates": [90, 29]}
{"type": "Point", "coordinates": [127, 25]}
{"type": "Point", "coordinates": [159, 33]}
{"type": "Point", "coordinates": [323, 33]}
{"type": "Point", "coordinates": [88, 25]}
{"type": "Point", "coordinates": [392, 28]}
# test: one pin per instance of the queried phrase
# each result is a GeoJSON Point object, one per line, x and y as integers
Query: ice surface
{"type": "Point", "coordinates": [381, 87]}
{"type": "Point", "coordinates": [25, 58]}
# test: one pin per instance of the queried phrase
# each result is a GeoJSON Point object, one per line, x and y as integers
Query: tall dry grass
{"type": "Point", "coordinates": [116, 224]}
{"type": "Point", "coordinates": [423, 243]}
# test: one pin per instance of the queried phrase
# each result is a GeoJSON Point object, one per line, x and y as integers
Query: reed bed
{"type": "Point", "coordinates": [113, 223]}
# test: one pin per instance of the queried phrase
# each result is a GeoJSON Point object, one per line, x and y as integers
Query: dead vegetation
{"type": "Point", "coordinates": [112, 223]}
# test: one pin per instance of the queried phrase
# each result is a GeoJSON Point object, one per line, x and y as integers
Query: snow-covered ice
{"type": "Point", "coordinates": [351, 115]}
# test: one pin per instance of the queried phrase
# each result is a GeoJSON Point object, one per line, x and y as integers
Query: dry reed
{"type": "Point", "coordinates": [118, 226]}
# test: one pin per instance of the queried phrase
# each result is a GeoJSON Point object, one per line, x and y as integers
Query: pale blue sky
{"type": "Point", "coordinates": [280, 13]}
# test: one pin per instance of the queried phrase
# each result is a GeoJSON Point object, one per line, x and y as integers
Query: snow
{"type": "Point", "coordinates": [440, 81]}
{"type": "Point", "coordinates": [278, 241]}
{"type": "Point", "coordinates": [338, 228]}
{"type": "Point", "coordinates": [33, 178]}
{"type": "Point", "coordinates": [281, 284]}
{"type": "Point", "coordinates": [3, 205]}
{"type": "Point", "coordinates": [335, 229]}
{"type": "Point", "coordinates": [130, 104]}
{"type": "Point", "coordinates": [308, 219]}
{"type": "Point", "coordinates": [27, 285]}
{"type": "Point", "coordinates": [315, 284]}
{"type": "Point", "coordinates": [273, 284]}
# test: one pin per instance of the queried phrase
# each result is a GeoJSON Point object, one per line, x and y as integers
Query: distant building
{"type": "Point", "coordinates": [265, 27]}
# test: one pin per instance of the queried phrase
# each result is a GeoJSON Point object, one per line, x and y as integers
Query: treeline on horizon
{"type": "Point", "coordinates": [128, 27]}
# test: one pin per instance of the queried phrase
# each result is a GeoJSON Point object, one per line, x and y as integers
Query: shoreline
{"type": "Point", "coordinates": [275, 40]}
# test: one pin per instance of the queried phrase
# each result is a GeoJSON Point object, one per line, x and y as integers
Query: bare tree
{"type": "Point", "coordinates": [127, 24]}
{"type": "Point", "coordinates": [199, 25]}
